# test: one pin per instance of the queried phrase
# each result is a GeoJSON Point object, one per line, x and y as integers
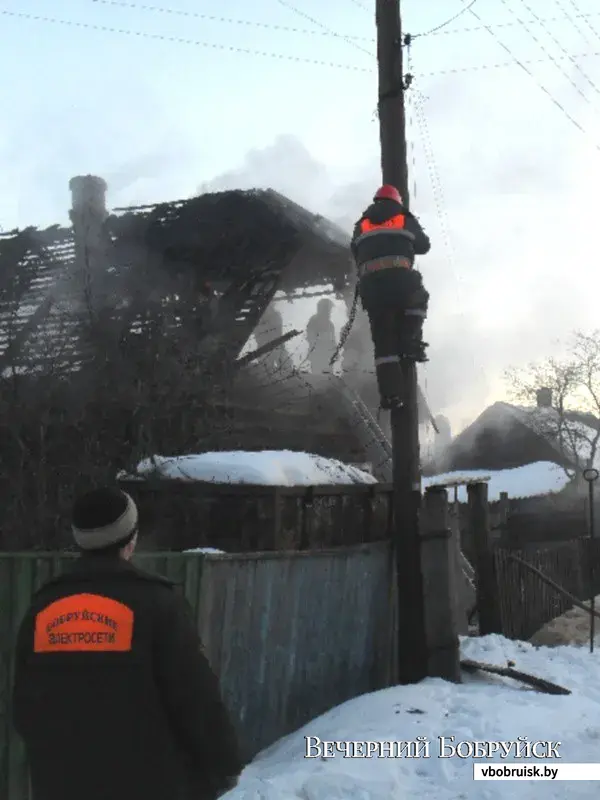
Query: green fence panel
{"type": "Point", "coordinates": [291, 634]}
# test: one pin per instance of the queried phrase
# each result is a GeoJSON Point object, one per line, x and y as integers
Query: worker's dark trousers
{"type": "Point", "coordinates": [396, 335]}
{"type": "Point", "coordinates": [396, 303]}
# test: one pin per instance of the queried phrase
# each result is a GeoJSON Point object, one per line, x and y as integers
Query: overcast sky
{"type": "Point", "coordinates": [506, 183]}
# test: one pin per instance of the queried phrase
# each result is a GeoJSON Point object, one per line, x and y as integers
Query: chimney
{"type": "Point", "coordinates": [88, 217]}
{"type": "Point", "coordinates": [544, 397]}
{"type": "Point", "coordinates": [88, 195]}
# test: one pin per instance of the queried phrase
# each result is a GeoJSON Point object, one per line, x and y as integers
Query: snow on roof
{"type": "Point", "coordinates": [532, 480]}
{"type": "Point", "coordinates": [482, 708]}
{"type": "Point", "coordinates": [567, 433]}
{"type": "Point", "coordinates": [264, 468]}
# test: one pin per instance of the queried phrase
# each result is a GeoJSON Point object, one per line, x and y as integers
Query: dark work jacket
{"type": "Point", "coordinates": [395, 288]}
{"type": "Point", "coordinates": [409, 242]}
{"type": "Point", "coordinates": [143, 723]}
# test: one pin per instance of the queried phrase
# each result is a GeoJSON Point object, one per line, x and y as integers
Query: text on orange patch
{"type": "Point", "coordinates": [84, 623]}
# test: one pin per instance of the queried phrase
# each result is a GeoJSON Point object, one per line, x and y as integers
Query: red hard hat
{"type": "Point", "coordinates": [388, 192]}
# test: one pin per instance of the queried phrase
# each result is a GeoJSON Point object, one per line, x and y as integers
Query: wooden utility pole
{"type": "Point", "coordinates": [412, 655]}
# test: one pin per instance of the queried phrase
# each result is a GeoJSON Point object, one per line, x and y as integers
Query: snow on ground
{"type": "Point", "coordinates": [483, 708]}
{"type": "Point", "coordinates": [572, 627]}
{"type": "Point", "coordinates": [211, 551]}
{"type": "Point", "coordinates": [264, 468]}
{"type": "Point", "coordinates": [531, 480]}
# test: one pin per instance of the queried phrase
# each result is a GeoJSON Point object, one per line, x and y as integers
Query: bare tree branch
{"type": "Point", "coordinates": [572, 424]}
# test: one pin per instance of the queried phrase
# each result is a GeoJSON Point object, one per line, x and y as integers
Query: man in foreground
{"type": "Point", "coordinates": [113, 695]}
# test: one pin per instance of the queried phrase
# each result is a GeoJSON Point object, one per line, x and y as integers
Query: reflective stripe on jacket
{"type": "Point", "coordinates": [386, 262]}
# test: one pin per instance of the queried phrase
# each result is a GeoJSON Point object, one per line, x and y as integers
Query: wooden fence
{"type": "Point", "coordinates": [511, 598]}
{"type": "Point", "coordinates": [178, 515]}
{"type": "Point", "coordinates": [290, 634]}
{"type": "Point", "coordinates": [526, 601]}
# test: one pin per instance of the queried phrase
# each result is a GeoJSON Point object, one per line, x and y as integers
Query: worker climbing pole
{"type": "Point", "coordinates": [386, 240]}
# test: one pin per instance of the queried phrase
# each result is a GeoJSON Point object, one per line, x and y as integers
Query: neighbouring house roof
{"type": "Point", "coordinates": [506, 436]}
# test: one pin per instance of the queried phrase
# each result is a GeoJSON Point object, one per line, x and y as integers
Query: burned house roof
{"type": "Point", "coordinates": [505, 436]}
{"type": "Point", "coordinates": [248, 243]}
{"type": "Point", "coordinates": [233, 232]}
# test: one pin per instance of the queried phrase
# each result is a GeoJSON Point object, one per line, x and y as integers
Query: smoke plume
{"type": "Point", "coordinates": [507, 271]}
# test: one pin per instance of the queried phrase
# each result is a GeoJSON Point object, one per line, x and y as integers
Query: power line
{"type": "Point", "coordinates": [530, 33]}
{"type": "Point", "coordinates": [441, 30]}
{"type": "Point", "coordinates": [417, 106]}
{"type": "Point", "coordinates": [358, 4]}
{"type": "Point", "coordinates": [448, 21]}
{"type": "Point", "coordinates": [524, 67]}
{"type": "Point", "coordinates": [227, 20]}
{"type": "Point", "coordinates": [181, 40]}
{"type": "Point", "coordinates": [561, 48]}
{"type": "Point", "coordinates": [434, 177]}
{"type": "Point", "coordinates": [323, 27]}
{"type": "Point", "coordinates": [499, 65]}
{"type": "Point", "coordinates": [583, 17]}
{"type": "Point", "coordinates": [267, 54]}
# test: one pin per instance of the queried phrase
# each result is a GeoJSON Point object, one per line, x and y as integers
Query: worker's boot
{"type": "Point", "coordinates": [389, 381]}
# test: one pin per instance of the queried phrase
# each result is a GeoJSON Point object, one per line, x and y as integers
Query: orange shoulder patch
{"type": "Point", "coordinates": [398, 222]}
{"type": "Point", "coordinates": [84, 623]}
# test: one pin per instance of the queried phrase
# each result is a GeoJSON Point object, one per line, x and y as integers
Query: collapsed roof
{"type": "Point", "coordinates": [248, 244]}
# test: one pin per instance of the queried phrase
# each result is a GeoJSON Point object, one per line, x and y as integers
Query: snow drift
{"type": "Point", "coordinates": [483, 708]}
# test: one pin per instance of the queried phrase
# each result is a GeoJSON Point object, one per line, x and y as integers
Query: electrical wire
{"type": "Point", "coordinates": [323, 31]}
{"type": "Point", "coordinates": [417, 106]}
{"type": "Point", "coordinates": [448, 21]}
{"type": "Point", "coordinates": [408, 95]}
{"type": "Point", "coordinates": [227, 20]}
{"type": "Point", "coordinates": [526, 69]}
{"type": "Point", "coordinates": [558, 43]}
{"type": "Point", "coordinates": [544, 49]}
{"type": "Point", "coordinates": [441, 30]}
{"type": "Point", "coordinates": [358, 4]}
{"type": "Point", "coordinates": [498, 65]}
{"type": "Point", "coordinates": [578, 15]}
{"type": "Point", "coordinates": [434, 177]}
{"type": "Point", "coordinates": [323, 27]}
{"type": "Point", "coordinates": [181, 40]}
{"type": "Point", "coordinates": [277, 56]}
